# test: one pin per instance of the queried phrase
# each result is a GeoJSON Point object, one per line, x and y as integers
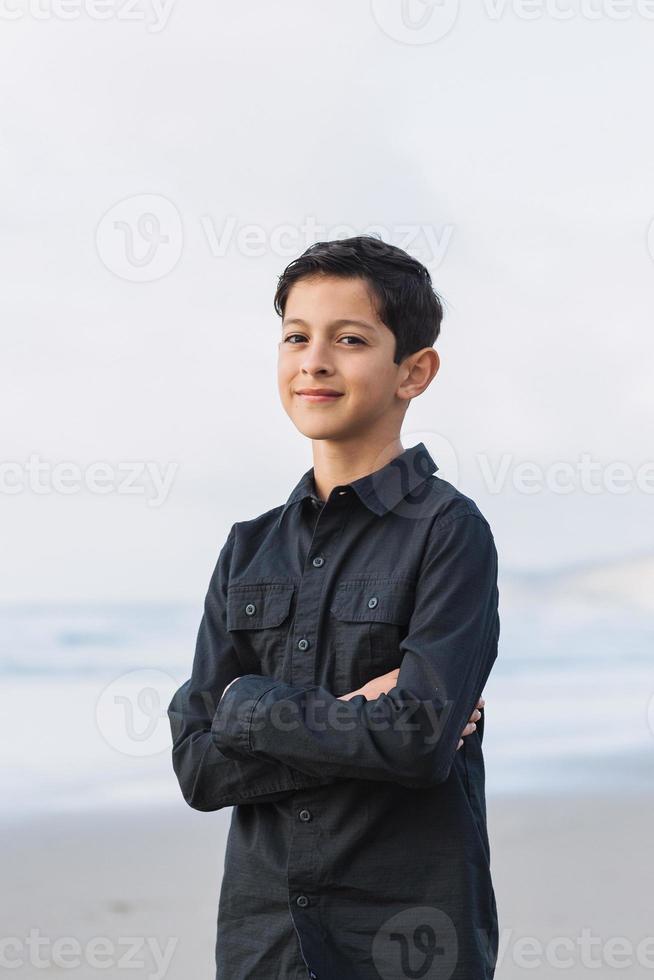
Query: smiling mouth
{"type": "Point", "coordinates": [318, 398]}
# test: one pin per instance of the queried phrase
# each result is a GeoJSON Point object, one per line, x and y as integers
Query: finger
{"type": "Point", "coordinates": [469, 729]}
{"type": "Point", "coordinates": [460, 744]}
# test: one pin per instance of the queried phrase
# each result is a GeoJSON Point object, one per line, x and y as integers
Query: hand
{"type": "Point", "coordinates": [383, 684]}
{"type": "Point", "coordinates": [375, 687]}
{"type": "Point", "coordinates": [471, 726]}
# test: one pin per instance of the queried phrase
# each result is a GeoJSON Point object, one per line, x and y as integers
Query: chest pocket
{"type": "Point", "coordinates": [370, 618]}
{"type": "Point", "coordinates": [259, 616]}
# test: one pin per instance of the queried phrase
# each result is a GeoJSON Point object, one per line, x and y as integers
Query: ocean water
{"type": "Point", "coordinates": [569, 703]}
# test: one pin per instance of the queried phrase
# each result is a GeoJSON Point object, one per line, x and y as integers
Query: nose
{"type": "Point", "coordinates": [316, 359]}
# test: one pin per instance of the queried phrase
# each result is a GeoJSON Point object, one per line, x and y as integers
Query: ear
{"type": "Point", "coordinates": [420, 369]}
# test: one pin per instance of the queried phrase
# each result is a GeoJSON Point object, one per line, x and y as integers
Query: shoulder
{"type": "Point", "coordinates": [459, 540]}
{"type": "Point", "coordinates": [261, 520]}
{"type": "Point", "coordinates": [444, 503]}
{"type": "Point", "coordinates": [256, 528]}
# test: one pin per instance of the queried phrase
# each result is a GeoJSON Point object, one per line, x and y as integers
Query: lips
{"type": "Point", "coordinates": [319, 392]}
{"type": "Point", "coordinates": [319, 395]}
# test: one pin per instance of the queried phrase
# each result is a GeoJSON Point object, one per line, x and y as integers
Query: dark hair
{"type": "Point", "coordinates": [405, 299]}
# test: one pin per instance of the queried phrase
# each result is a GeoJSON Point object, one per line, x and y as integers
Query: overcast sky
{"type": "Point", "coordinates": [161, 166]}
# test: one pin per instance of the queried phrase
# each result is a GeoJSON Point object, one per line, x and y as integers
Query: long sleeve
{"type": "Point", "coordinates": [208, 779]}
{"type": "Point", "coordinates": [410, 734]}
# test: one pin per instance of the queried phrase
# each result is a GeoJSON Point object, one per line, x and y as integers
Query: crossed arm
{"type": "Point", "coordinates": [240, 739]}
{"type": "Point", "coordinates": [383, 684]}
{"type": "Point", "coordinates": [209, 780]}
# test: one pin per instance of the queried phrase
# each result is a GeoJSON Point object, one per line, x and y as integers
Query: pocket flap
{"type": "Point", "coordinates": [252, 607]}
{"type": "Point", "coordinates": [373, 601]}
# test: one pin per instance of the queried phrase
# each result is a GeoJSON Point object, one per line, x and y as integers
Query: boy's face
{"type": "Point", "coordinates": [332, 338]}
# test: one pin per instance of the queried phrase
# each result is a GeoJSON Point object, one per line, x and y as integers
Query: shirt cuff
{"type": "Point", "coordinates": [231, 725]}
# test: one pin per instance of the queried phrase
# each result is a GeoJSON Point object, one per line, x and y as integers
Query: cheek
{"type": "Point", "coordinates": [284, 374]}
{"type": "Point", "coordinates": [371, 384]}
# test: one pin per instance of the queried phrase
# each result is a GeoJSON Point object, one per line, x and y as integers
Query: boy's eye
{"type": "Point", "coordinates": [358, 340]}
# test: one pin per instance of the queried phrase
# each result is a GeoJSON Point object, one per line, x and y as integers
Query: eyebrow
{"type": "Point", "coordinates": [343, 322]}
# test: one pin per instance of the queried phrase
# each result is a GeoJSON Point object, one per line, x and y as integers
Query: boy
{"type": "Point", "coordinates": [346, 639]}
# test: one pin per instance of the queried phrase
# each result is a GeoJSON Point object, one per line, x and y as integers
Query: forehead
{"type": "Point", "coordinates": [330, 297]}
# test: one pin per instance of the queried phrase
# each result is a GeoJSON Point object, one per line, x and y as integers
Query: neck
{"type": "Point", "coordinates": [338, 463]}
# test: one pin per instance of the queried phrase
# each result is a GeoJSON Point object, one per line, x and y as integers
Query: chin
{"type": "Point", "coordinates": [316, 431]}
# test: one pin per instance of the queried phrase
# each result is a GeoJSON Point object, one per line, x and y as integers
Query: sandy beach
{"type": "Point", "coordinates": [101, 893]}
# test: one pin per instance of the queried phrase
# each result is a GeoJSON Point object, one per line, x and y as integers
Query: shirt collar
{"type": "Point", "coordinates": [380, 491]}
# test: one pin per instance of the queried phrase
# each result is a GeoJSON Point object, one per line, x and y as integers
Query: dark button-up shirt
{"type": "Point", "coordinates": [358, 847]}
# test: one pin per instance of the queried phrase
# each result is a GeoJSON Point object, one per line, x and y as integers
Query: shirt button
{"type": "Point", "coordinates": [303, 644]}
{"type": "Point", "coordinates": [372, 602]}
{"type": "Point", "coordinates": [305, 815]}
{"type": "Point", "coordinates": [250, 609]}
{"type": "Point", "coordinates": [318, 561]}
{"type": "Point", "coordinates": [302, 901]}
